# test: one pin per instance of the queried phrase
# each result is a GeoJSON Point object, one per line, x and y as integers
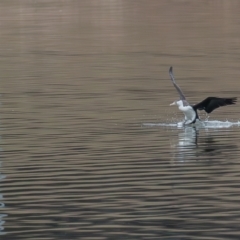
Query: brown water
{"type": "Point", "coordinates": [82, 85]}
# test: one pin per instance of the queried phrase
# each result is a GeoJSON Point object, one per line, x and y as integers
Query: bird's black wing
{"type": "Point", "coordinates": [211, 103]}
{"type": "Point", "coordinates": [182, 97]}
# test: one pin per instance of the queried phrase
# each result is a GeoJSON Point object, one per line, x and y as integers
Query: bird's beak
{"type": "Point", "coordinates": [174, 103]}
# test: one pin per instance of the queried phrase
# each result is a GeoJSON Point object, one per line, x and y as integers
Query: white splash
{"type": "Point", "coordinates": [200, 124]}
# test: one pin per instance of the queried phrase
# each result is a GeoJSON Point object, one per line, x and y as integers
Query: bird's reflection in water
{"type": "Point", "coordinates": [188, 137]}
{"type": "Point", "coordinates": [195, 143]}
{"type": "Point", "coordinates": [2, 206]}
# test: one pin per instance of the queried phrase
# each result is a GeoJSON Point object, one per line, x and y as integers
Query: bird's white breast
{"type": "Point", "coordinates": [189, 113]}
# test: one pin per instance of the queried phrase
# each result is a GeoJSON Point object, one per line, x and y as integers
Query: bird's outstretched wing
{"type": "Point", "coordinates": [211, 103]}
{"type": "Point", "coordinates": [182, 97]}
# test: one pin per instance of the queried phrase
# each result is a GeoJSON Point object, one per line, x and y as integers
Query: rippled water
{"type": "Point", "coordinates": [90, 148]}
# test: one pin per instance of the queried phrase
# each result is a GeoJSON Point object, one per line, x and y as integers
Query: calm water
{"type": "Point", "coordinates": [89, 149]}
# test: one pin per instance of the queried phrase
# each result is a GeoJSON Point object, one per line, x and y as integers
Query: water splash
{"type": "Point", "coordinates": [199, 124]}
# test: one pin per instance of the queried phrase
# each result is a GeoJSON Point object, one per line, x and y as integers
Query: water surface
{"type": "Point", "coordinates": [90, 148]}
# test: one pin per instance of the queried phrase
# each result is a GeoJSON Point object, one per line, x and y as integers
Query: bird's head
{"type": "Point", "coordinates": [178, 103]}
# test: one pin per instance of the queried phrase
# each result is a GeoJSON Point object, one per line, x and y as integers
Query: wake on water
{"type": "Point", "coordinates": [199, 124]}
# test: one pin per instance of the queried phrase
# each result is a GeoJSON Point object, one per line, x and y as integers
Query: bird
{"type": "Point", "coordinates": [190, 111]}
